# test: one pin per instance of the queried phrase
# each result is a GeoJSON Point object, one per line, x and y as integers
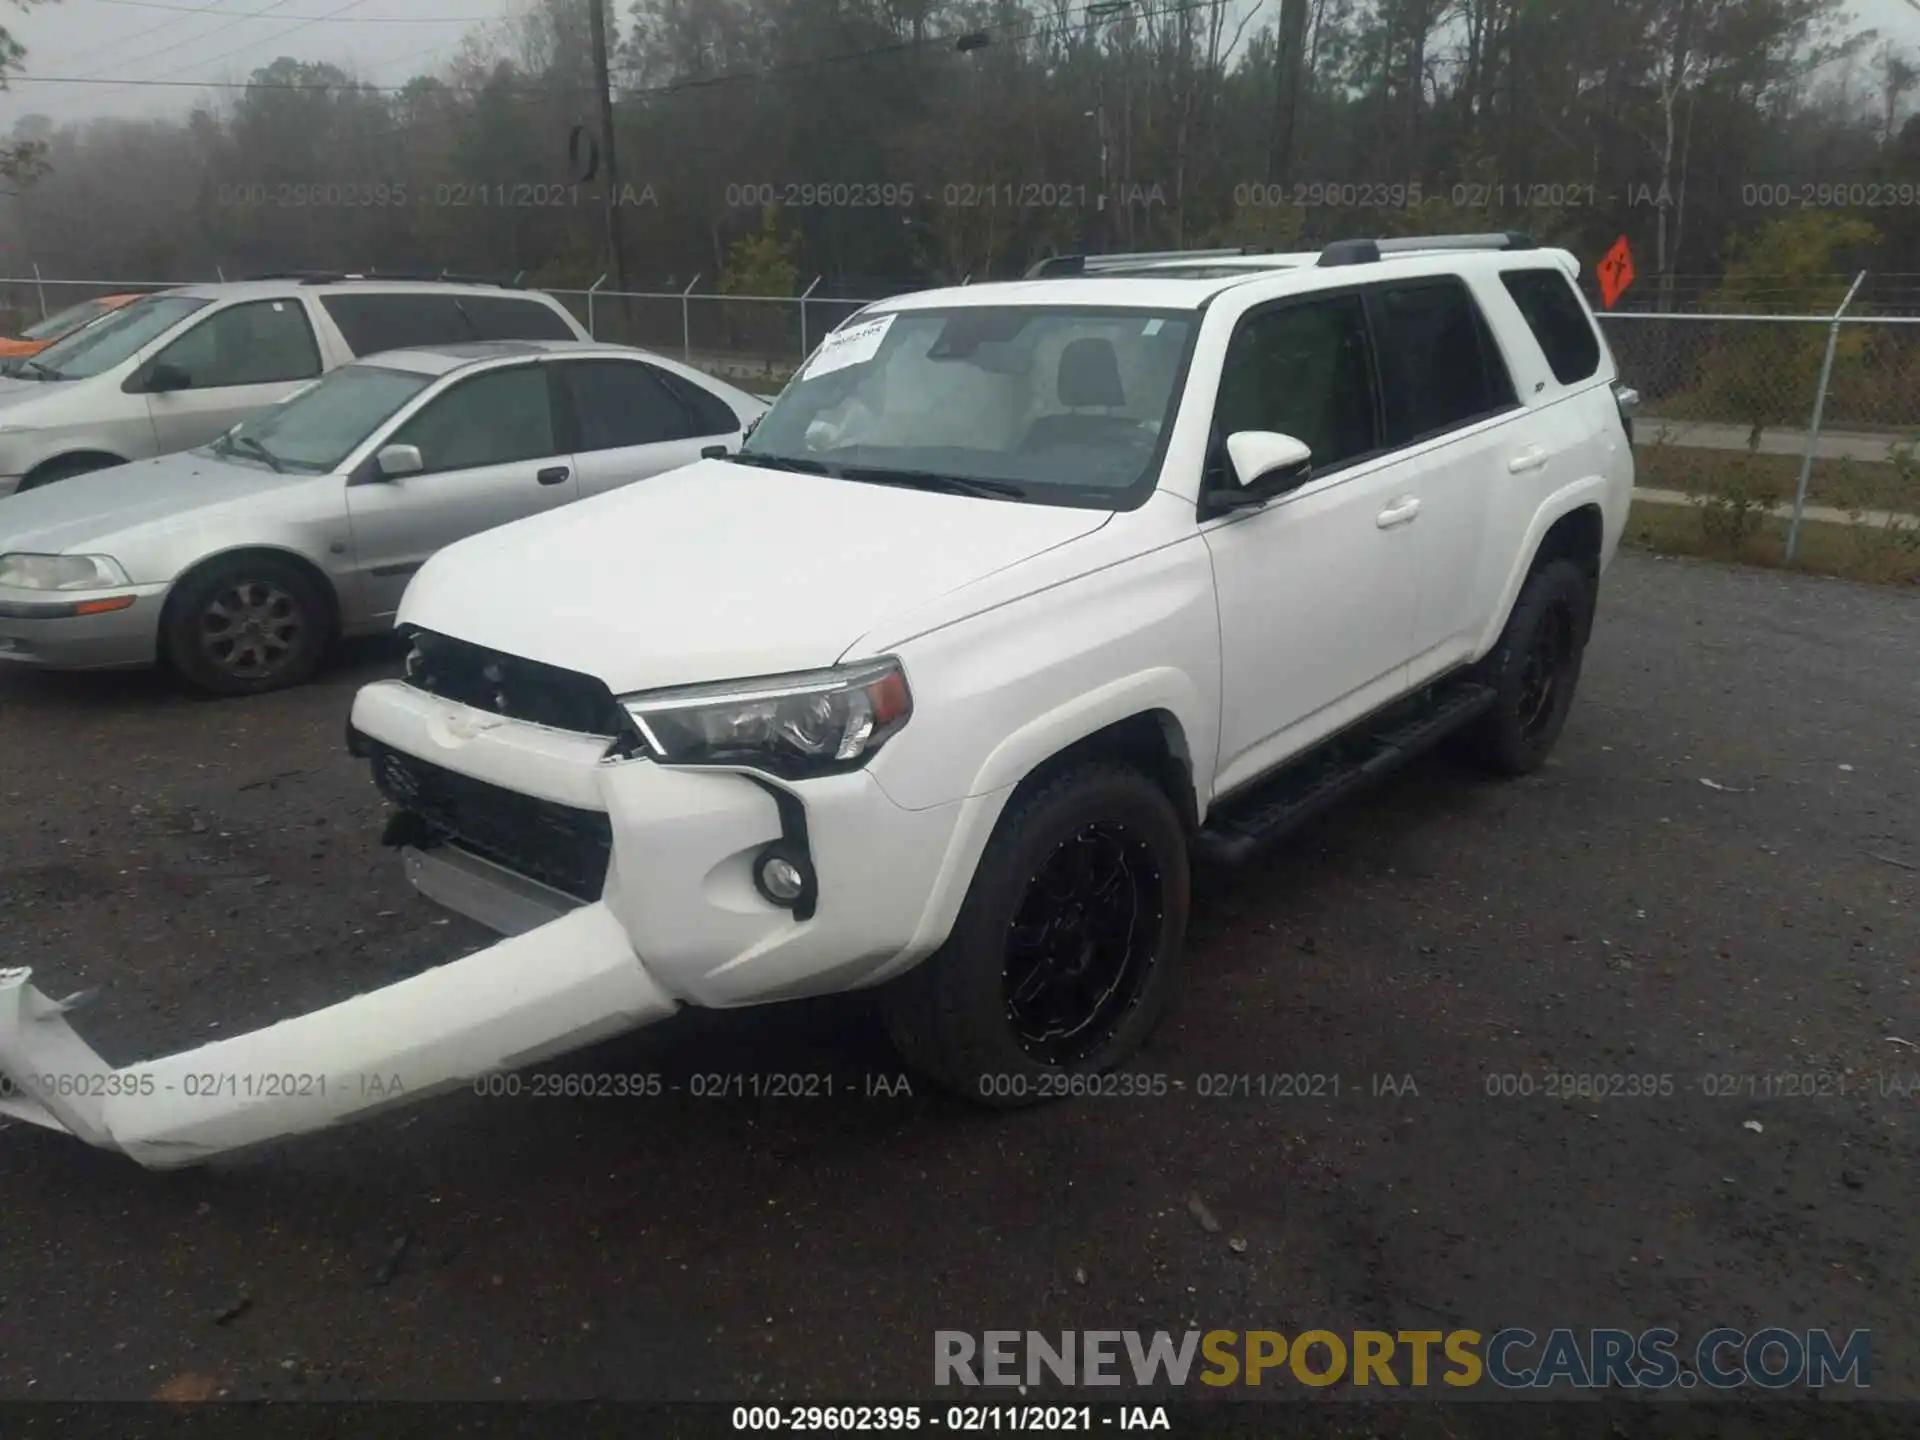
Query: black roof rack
{"type": "Point", "coordinates": [1368, 252]}
{"type": "Point", "coordinates": [447, 277]}
{"type": "Point", "coordinates": [1055, 266]}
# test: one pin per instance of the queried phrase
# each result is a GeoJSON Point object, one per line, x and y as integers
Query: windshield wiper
{"type": "Point", "coordinates": [247, 445]}
{"type": "Point", "coordinates": [936, 482]}
{"type": "Point", "coordinates": [45, 372]}
{"type": "Point", "coordinates": [782, 462]}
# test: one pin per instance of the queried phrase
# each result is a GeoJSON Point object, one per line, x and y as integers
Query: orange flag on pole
{"type": "Point", "coordinates": [1615, 272]}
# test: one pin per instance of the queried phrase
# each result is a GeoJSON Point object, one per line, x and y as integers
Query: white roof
{"type": "Point", "coordinates": [1161, 285]}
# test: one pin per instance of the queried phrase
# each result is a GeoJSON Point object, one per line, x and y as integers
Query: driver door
{"type": "Point", "coordinates": [1317, 587]}
{"type": "Point", "coordinates": [237, 360]}
{"type": "Point", "coordinates": [491, 456]}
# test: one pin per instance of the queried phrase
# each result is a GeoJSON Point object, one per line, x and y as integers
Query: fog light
{"type": "Point", "coordinates": [781, 880]}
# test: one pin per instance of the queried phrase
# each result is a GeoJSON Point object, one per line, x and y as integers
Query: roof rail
{"type": "Point", "coordinates": [1367, 252]}
{"type": "Point", "coordinates": [447, 277]}
{"type": "Point", "coordinates": [1058, 265]}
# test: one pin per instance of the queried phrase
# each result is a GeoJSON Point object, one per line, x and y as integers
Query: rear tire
{"type": "Point", "coordinates": [246, 625]}
{"type": "Point", "coordinates": [1067, 947]}
{"type": "Point", "coordinates": [1534, 670]}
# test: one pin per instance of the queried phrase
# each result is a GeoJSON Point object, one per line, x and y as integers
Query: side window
{"type": "Point", "coordinates": [503, 317]}
{"type": "Point", "coordinates": [376, 322]}
{"type": "Point", "coordinates": [1558, 321]}
{"type": "Point", "coordinates": [492, 419]}
{"type": "Point", "coordinates": [622, 402]}
{"type": "Point", "coordinates": [711, 415]}
{"type": "Point", "coordinates": [259, 343]}
{"type": "Point", "coordinates": [1439, 367]}
{"type": "Point", "coordinates": [1302, 370]}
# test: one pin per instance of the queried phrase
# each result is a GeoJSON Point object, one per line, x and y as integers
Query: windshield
{"type": "Point", "coordinates": [62, 322]}
{"type": "Point", "coordinates": [1063, 406]}
{"type": "Point", "coordinates": [316, 428]}
{"type": "Point", "coordinates": [99, 348]}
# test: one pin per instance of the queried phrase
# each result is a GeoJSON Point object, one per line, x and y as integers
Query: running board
{"type": "Point", "coordinates": [1244, 825]}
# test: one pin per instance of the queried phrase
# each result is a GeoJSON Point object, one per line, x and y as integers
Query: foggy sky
{"type": "Point", "coordinates": [97, 38]}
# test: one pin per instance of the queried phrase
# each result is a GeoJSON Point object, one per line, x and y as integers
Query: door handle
{"type": "Point", "coordinates": [1532, 458]}
{"type": "Point", "coordinates": [1400, 512]}
{"type": "Point", "coordinates": [552, 475]}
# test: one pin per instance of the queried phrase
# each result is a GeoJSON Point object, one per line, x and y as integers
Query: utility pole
{"type": "Point", "coordinates": [603, 84]}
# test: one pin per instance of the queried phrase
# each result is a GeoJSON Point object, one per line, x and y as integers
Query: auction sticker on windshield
{"type": "Point", "coordinates": [849, 345]}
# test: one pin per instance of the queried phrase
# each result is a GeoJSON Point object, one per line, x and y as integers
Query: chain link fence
{"type": "Point", "coordinates": [758, 340]}
{"type": "Point", "coordinates": [1775, 428]}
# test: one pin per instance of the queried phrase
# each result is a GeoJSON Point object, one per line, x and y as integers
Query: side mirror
{"type": "Point", "coordinates": [1265, 463]}
{"type": "Point", "coordinates": [164, 378]}
{"type": "Point", "coordinates": [714, 452]}
{"type": "Point", "coordinates": [393, 461]}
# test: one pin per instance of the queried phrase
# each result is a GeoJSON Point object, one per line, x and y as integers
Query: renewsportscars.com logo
{"type": "Point", "coordinates": [1774, 1358]}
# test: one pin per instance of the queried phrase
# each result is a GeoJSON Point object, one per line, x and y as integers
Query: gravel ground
{"type": "Point", "coordinates": [1715, 877]}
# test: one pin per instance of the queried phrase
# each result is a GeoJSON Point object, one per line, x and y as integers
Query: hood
{"type": "Point", "coordinates": [719, 571]}
{"type": "Point", "coordinates": [84, 511]}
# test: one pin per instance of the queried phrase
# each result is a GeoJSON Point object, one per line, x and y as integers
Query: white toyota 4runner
{"type": "Point", "coordinates": [1020, 597]}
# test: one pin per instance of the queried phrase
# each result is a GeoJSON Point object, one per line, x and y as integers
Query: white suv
{"type": "Point", "coordinates": [1021, 596]}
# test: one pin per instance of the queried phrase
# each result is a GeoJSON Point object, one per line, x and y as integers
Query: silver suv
{"type": "Point", "coordinates": [176, 369]}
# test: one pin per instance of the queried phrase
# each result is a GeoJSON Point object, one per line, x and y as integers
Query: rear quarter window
{"type": "Point", "coordinates": [507, 317]}
{"type": "Point", "coordinates": [373, 323]}
{"type": "Point", "coordinates": [1558, 320]}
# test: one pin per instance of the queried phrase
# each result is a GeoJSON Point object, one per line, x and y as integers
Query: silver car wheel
{"type": "Point", "coordinates": [251, 628]}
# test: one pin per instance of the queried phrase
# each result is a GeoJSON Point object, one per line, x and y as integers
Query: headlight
{"type": "Point", "coordinates": [60, 572]}
{"type": "Point", "coordinates": [809, 723]}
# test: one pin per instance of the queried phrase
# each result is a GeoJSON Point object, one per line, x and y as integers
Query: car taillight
{"type": "Point", "coordinates": [1628, 401]}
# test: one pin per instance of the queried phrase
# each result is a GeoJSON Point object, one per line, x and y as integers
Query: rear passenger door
{"type": "Point", "coordinates": [627, 420]}
{"type": "Point", "coordinates": [237, 360]}
{"type": "Point", "coordinates": [491, 453]}
{"type": "Point", "coordinates": [1462, 440]}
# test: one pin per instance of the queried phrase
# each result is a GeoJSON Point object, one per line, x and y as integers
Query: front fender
{"type": "Point", "coordinates": [998, 695]}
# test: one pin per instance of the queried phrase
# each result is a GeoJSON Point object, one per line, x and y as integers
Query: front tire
{"type": "Point", "coordinates": [246, 625]}
{"type": "Point", "coordinates": [1066, 950]}
{"type": "Point", "coordinates": [1534, 670]}
{"type": "Point", "coordinates": [55, 471]}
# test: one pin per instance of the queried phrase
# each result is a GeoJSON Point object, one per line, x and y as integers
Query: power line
{"type": "Point", "coordinates": [473, 19]}
{"type": "Point", "coordinates": [117, 86]}
{"type": "Point", "coordinates": [187, 13]}
{"type": "Point", "coordinates": [670, 87]}
{"type": "Point", "coordinates": [196, 39]}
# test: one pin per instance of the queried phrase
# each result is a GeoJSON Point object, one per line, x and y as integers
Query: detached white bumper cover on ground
{"type": "Point", "coordinates": [567, 984]}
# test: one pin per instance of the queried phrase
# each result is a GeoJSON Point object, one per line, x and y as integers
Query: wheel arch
{"type": "Point", "coordinates": [38, 473]}
{"type": "Point", "coordinates": [1570, 526]}
{"type": "Point", "coordinates": [1152, 741]}
{"type": "Point", "coordinates": [1150, 717]}
{"type": "Point", "coordinates": [321, 581]}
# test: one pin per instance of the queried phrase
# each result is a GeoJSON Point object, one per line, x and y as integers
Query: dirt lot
{"type": "Point", "coordinates": [215, 866]}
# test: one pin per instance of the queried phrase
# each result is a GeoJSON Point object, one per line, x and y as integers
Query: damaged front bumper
{"type": "Point", "coordinates": [563, 985]}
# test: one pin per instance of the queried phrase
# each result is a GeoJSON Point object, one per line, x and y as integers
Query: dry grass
{"type": "Point", "coordinates": [1873, 554]}
{"type": "Point", "coordinates": [1770, 479]}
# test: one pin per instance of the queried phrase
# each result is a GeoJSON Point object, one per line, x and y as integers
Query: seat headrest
{"type": "Point", "coordinates": [1090, 374]}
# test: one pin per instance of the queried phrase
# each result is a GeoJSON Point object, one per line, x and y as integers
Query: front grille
{"type": "Point", "coordinates": [508, 685]}
{"type": "Point", "coordinates": [555, 844]}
